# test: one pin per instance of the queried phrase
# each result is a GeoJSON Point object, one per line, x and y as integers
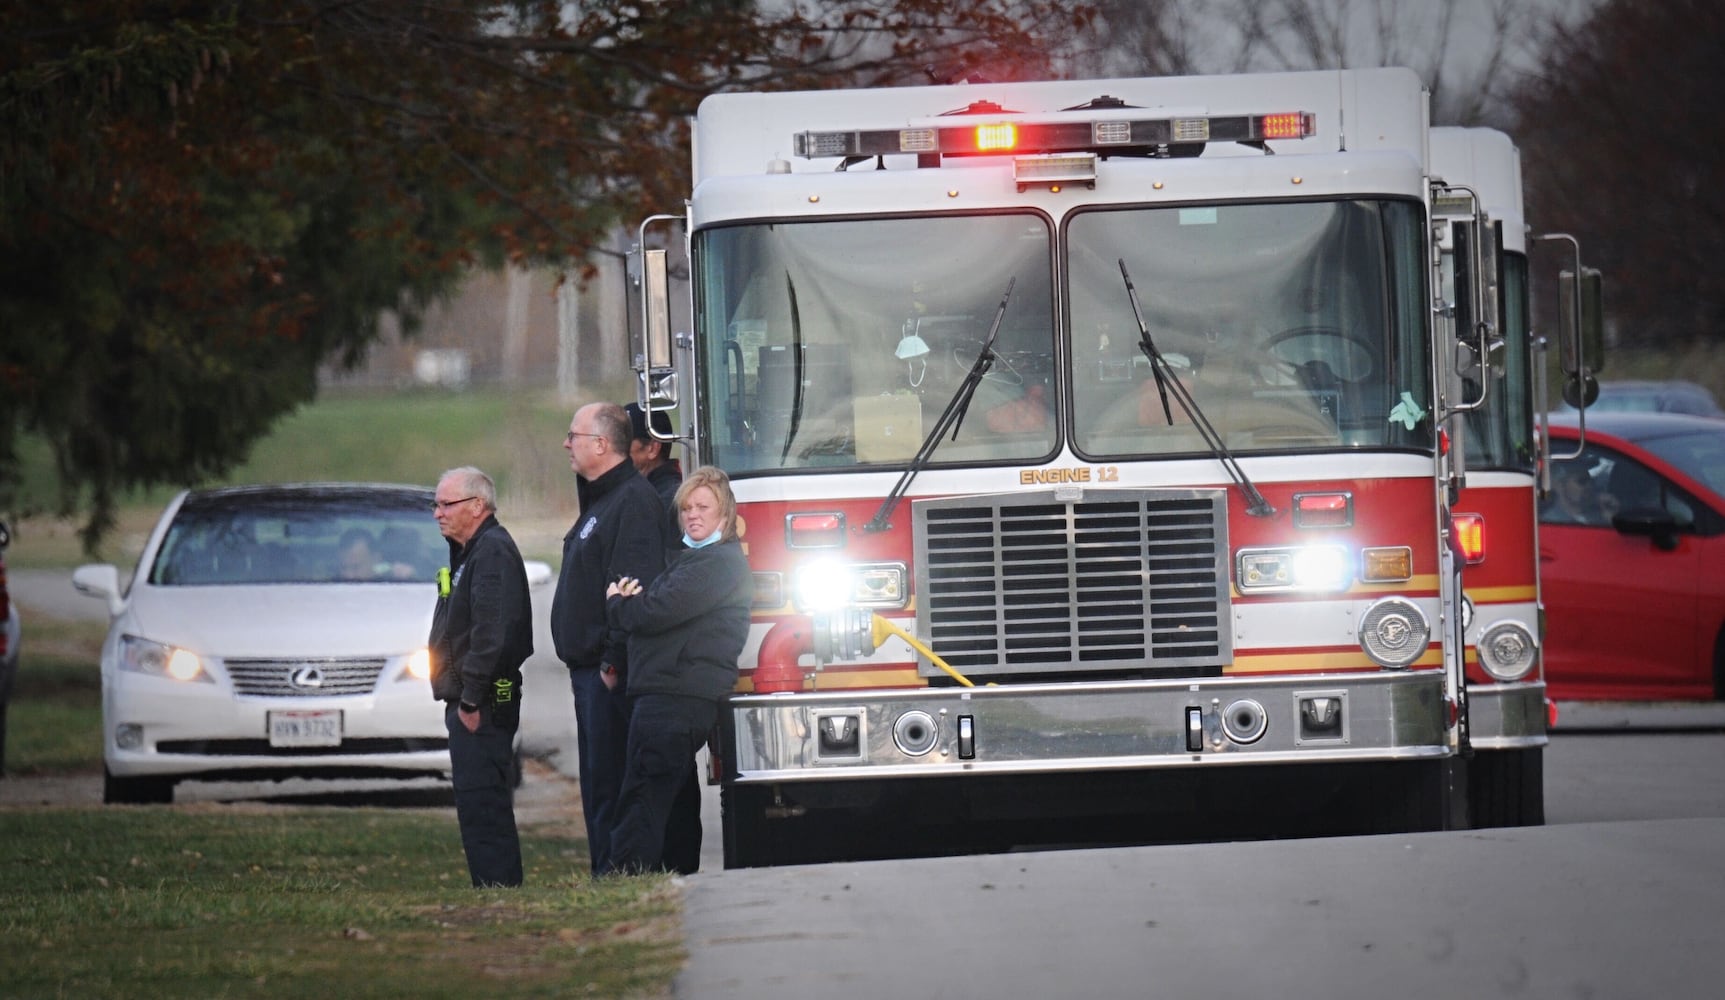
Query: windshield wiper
{"type": "Point", "coordinates": [952, 416]}
{"type": "Point", "coordinates": [796, 371]}
{"type": "Point", "coordinates": [1256, 505]}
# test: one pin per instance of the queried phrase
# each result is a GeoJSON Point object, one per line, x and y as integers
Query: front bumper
{"type": "Point", "coordinates": [826, 736]}
{"type": "Point", "coordinates": [1507, 716]}
{"type": "Point", "coordinates": [205, 730]}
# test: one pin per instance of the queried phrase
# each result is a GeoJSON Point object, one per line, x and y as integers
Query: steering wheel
{"type": "Point", "coordinates": [1325, 354]}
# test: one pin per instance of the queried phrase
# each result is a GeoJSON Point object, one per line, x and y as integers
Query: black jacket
{"type": "Point", "coordinates": [687, 629]}
{"type": "Point", "coordinates": [619, 533]}
{"type": "Point", "coordinates": [665, 479]}
{"type": "Point", "coordinates": [482, 630]}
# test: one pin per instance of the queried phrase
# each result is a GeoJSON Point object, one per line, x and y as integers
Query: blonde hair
{"type": "Point", "coordinates": [713, 478]}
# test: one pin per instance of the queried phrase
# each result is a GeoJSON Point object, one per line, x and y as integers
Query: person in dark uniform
{"type": "Point", "coordinates": [652, 458]}
{"type": "Point", "coordinates": [617, 534]}
{"type": "Point", "coordinates": [686, 630]}
{"type": "Point", "coordinates": [481, 633]}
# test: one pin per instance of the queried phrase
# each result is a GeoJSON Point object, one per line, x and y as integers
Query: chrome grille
{"type": "Point", "coordinates": [1117, 580]}
{"type": "Point", "coordinates": [276, 678]}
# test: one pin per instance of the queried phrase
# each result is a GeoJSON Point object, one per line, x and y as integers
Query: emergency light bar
{"type": "Point", "coordinates": [1107, 135]}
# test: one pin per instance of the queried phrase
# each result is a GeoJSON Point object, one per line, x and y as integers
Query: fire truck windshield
{"type": "Point", "coordinates": [833, 345]}
{"type": "Point", "coordinates": [1294, 326]}
{"type": "Point", "coordinates": [837, 344]}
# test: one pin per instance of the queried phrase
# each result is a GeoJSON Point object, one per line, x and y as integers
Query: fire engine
{"type": "Point", "coordinates": [1096, 451]}
{"type": "Point", "coordinates": [1486, 299]}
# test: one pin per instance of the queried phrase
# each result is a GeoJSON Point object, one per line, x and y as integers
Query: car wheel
{"type": "Point", "coordinates": [136, 791]}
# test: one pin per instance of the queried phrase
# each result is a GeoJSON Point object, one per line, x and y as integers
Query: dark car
{"type": "Point", "coordinates": [9, 638]}
{"type": "Point", "coordinates": [1642, 396]}
{"type": "Point", "coordinates": [1632, 558]}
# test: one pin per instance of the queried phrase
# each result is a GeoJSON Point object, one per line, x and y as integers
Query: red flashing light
{"type": "Point", "coordinates": [1468, 530]}
{"type": "Point", "coordinates": [1000, 136]}
{"type": "Point", "coordinates": [1323, 510]}
{"type": "Point", "coordinates": [815, 531]}
{"type": "Point", "coordinates": [1291, 125]}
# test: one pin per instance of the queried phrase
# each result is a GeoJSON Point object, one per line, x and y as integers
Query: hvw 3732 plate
{"type": "Point", "coordinates": [305, 729]}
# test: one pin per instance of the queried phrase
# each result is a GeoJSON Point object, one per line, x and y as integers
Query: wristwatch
{"type": "Point", "coordinates": [465, 707]}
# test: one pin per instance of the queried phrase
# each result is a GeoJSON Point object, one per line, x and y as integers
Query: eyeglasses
{"type": "Point", "coordinates": [570, 437]}
{"type": "Point", "coordinates": [437, 505]}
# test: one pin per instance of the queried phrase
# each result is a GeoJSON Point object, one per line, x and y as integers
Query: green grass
{"type": "Point", "coordinates": [316, 903]}
{"type": "Point", "coordinates": [54, 724]}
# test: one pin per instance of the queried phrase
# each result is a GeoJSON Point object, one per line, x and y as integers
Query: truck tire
{"type": "Point", "coordinates": [1507, 788]}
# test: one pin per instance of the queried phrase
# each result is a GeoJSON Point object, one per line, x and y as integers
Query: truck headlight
{"type": "Point", "coordinates": [827, 585]}
{"type": "Point", "coordinates": [1306, 567]}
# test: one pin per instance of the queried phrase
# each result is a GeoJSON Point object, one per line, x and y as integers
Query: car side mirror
{"type": "Point", "coordinates": [1654, 523]}
{"type": "Point", "coordinates": [101, 580]}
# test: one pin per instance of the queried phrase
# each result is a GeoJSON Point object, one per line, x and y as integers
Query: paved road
{"type": "Point", "coordinates": [1621, 895]}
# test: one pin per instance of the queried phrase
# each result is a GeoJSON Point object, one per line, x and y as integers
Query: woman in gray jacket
{"type": "Point", "coordinates": [686, 631]}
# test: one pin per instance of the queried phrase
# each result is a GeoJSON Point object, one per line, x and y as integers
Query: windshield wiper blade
{"type": "Point", "coordinates": [952, 417]}
{"type": "Point", "coordinates": [796, 371]}
{"type": "Point", "coordinates": [1256, 505]}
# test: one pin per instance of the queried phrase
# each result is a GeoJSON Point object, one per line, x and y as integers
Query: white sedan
{"type": "Point", "coordinates": [272, 632]}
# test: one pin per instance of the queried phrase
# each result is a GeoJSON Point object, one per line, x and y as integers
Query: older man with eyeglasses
{"type": "Point", "coordinates": [617, 534]}
{"type": "Point", "coordinates": [481, 633]}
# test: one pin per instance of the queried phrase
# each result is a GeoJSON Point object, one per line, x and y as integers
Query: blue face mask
{"type": "Point", "coordinates": [703, 543]}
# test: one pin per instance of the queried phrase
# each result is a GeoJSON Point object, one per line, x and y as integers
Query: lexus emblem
{"type": "Point", "coordinates": [306, 677]}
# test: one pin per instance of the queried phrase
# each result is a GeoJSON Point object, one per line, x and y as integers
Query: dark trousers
{"type": "Point", "coordinates": [665, 731]}
{"type": "Point", "coordinates": [482, 767]}
{"type": "Point", "coordinates": [683, 829]}
{"type": "Point", "coordinates": [602, 735]}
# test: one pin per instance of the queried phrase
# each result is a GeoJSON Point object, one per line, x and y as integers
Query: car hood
{"type": "Point", "coordinates": [286, 620]}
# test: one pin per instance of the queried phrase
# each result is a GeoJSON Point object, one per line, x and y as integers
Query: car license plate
{"type": "Point", "coordinates": [305, 729]}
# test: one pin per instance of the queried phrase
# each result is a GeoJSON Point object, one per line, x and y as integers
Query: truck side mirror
{"type": "Point", "coordinates": [1588, 296]}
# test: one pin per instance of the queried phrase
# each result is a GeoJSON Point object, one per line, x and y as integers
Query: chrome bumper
{"type": "Point", "coordinates": [1029, 728]}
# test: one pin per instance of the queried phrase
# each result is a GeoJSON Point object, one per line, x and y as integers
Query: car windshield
{"type": "Point", "coordinates": [312, 536]}
{"type": "Point", "coordinates": [1700, 454]}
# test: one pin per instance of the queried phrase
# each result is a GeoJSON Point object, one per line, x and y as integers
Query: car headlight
{"type": "Point", "coordinates": [141, 656]}
{"type": "Point", "coordinates": [418, 666]}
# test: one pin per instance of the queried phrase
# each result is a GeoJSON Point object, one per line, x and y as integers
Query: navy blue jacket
{"type": "Point", "coordinates": [620, 533]}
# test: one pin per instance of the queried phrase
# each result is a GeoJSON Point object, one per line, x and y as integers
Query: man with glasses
{"type": "Point", "coordinates": [617, 534]}
{"type": "Point", "coordinates": [481, 633]}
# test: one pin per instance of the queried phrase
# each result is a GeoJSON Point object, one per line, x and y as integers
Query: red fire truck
{"type": "Point", "coordinates": [1092, 442]}
{"type": "Point", "coordinates": [1486, 295]}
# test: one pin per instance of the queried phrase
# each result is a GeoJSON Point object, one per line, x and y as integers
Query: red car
{"type": "Point", "coordinates": [1632, 559]}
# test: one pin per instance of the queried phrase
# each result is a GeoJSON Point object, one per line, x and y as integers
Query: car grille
{"type": "Point", "coordinates": [1120, 581]}
{"type": "Point", "coordinates": [304, 678]}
